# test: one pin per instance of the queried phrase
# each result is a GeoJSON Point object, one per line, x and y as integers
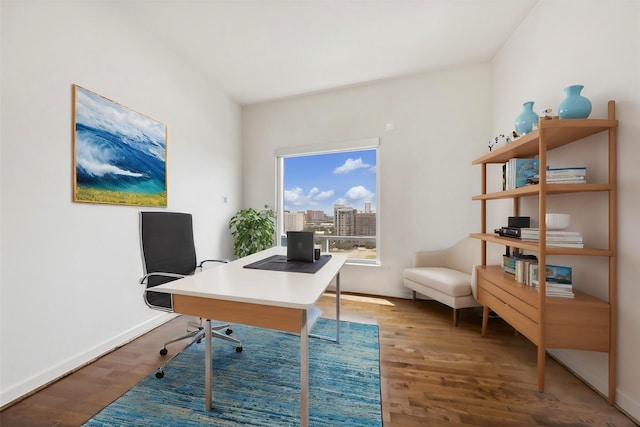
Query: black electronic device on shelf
{"type": "Point", "coordinates": [508, 232]}
{"type": "Point", "coordinates": [515, 223]}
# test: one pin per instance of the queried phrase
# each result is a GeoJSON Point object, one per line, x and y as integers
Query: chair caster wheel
{"type": "Point", "coordinates": [163, 352]}
{"type": "Point", "coordinates": [228, 331]}
{"type": "Point", "coordinates": [239, 349]}
{"type": "Point", "coordinates": [159, 374]}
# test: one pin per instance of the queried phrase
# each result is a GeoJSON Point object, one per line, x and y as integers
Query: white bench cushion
{"type": "Point", "coordinates": [445, 280]}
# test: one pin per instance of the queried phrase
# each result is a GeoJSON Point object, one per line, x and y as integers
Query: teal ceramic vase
{"type": "Point", "coordinates": [574, 106]}
{"type": "Point", "coordinates": [526, 119]}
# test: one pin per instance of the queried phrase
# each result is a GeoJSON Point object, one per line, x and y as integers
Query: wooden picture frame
{"type": "Point", "coordinates": [119, 155]}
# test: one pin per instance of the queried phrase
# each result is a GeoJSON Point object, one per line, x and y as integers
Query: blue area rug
{"type": "Point", "coordinates": [261, 385]}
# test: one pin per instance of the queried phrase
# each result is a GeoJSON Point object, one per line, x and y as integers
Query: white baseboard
{"type": "Point", "coordinates": [627, 404]}
{"type": "Point", "coordinates": [36, 382]}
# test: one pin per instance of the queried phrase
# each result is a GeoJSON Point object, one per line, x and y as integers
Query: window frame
{"type": "Point", "coordinates": [319, 149]}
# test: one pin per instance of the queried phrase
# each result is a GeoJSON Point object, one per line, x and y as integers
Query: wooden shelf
{"type": "Point", "coordinates": [583, 322]}
{"type": "Point", "coordinates": [534, 190]}
{"type": "Point", "coordinates": [579, 323]}
{"type": "Point", "coordinates": [556, 134]}
{"type": "Point", "coordinates": [534, 247]}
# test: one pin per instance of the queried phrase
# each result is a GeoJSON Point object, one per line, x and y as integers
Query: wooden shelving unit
{"type": "Point", "coordinates": [583, 322]}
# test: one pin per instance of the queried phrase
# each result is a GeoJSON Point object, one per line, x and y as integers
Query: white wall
{"type": "Point", "coordinates": [441, 121]}
{"type": "Point", "coordinates": [596, 44]}
{"type": "Point", "coordinates": [69, 271]}
{"type": "Point", "coordinates": [87, 300]}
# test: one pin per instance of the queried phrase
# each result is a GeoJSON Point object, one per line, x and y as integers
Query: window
{"type": "Point", "coordinates": [332, 190]}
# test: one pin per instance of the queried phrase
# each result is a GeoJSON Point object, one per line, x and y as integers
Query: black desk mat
{"type": "Point", "coordinates": [280, 263]}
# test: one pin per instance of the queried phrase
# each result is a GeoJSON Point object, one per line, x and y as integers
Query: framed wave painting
{"type": "Point", "coordinates": [119, 155]}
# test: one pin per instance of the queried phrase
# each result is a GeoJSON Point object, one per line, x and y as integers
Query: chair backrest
{"type": "Point", "coordinates": [461, 257]}
{"type": "Point", "coordinates": [464, 255]}
{"type": "Point", "coordinates": [167, 246]}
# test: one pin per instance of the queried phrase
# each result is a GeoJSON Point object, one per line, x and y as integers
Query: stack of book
{"type": "Point", "coordinates": [558, 283]}
{"type": "Point", "coordinates": [518, 173]}
{"type": "Point", "coordinates": [518, 265]}
{"type": "Point", "coordinates": [567, 175]}
{"type": "Point", "coordinates": [558, 238]}
{"type": "Point", "coordinates": [576, 175]}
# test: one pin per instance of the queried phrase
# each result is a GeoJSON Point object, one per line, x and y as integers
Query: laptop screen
{"type": "Point", "coordinates": [300, 246]}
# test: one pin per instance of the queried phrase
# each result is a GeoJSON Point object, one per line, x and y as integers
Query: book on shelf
{"type": "Point", "coordinates": [516, 264]}
{"type": "Point", "coordinates": [572, 171]}
{"type": "Point", "coordinates": [508, 264]}
{"type": "Point", "coordinates": [558, 238]}
{"type": "Point", "coordinates": [555, 274]}
{"type": "Point", "coordinates": [558, 283]}
{"type": "Point", "coordinates": [556, 290]}
{"type": "Point", "coordinates": [531, 272]}
{"type": "Point", "coordinates": [523, 270]}
{"type": "Point", "coordinates": [518, 172]}
{"type": "Point", "coordinates": [504, 177]}
{"type": "Point", "coordinates": [566, 245]}
{"type": "Point", "coordinates": [570, 175]}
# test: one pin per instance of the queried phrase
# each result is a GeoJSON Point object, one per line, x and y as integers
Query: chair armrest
{"type": "Point", "coordinates": [211, 260]}
{"type": "Point", "coordinates": [144, 278]}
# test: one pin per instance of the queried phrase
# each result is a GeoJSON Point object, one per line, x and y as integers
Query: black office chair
{"type": "Point", "coordinates": [168, 253]}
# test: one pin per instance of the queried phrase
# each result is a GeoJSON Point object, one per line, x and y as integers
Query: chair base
{"type": "Point", "coordinates": [194, 336]}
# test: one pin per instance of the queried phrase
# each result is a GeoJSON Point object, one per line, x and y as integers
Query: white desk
{"type": "Point", "coordinates": [268, 299]}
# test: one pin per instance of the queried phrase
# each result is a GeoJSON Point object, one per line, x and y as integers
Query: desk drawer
{"type": "Point", "coordinates": [519, 314]}
{"type": "Point", "coordinates": [510, 299]}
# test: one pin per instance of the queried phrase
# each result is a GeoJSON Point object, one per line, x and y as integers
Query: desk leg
{"type": "Point", "coordinates": [304, 372]}
{"type": "Point", "coordinates": [207, 366]}
{"type": "Point", "coordinates": [337, 337]}
{"type": "Point", "coordinates": [338, 307]}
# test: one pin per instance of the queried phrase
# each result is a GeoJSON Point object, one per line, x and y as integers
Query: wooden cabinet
{"type": "Point", "coordinates": [583, 322]}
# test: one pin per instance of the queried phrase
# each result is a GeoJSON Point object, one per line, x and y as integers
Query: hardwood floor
{"type": "Point", "coordinates": [432, 374]}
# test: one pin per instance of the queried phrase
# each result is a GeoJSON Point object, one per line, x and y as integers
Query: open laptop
{"type": "Point", "coordinates": [300, 246]}
{"type": "Point", "coordinates": [299, 258]}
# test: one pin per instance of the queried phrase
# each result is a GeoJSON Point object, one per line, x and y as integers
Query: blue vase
{"type": "Point", "coordinates": [526, 119]}
{"type": "Point", "coordinates": [574, 106]}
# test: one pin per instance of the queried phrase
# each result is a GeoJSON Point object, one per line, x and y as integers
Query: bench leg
{"type": "Point", "coordinates": [455, 317]}
{"type": "Point", "coordinates": [485, 319]}
{"type": "Point", "coordinates": [415, 296]}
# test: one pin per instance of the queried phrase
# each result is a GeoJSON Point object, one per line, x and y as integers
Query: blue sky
{"type": "Point", "coordinates": [319, 181]}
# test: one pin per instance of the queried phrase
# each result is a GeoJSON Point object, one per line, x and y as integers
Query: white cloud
{"type": "Point", "coordinates": [297, 197]}
{"type": "Point", "coordinates": [355, 196]}
{"type": "Point", "coordinates": [358, 193]}
{"type": "Point", "coordinates": [294, 196]}
{"type": "Point", "coordinates": [351, 165]}
{"type": "Point", "coordinates": [324, 195]}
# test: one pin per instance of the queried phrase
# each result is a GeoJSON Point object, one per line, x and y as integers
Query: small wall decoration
{"type": "Point", "coordinates": [499, 141]}
{"type": "Point", "coordinates": [119, 155]}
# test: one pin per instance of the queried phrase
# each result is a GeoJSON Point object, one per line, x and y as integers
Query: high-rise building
{"type": "Point", "coordinates": [315, 216]}
{"type": "Point", "coordinates": [350, 222]}
{"type": "Point", "coordinates": [367, 206]}
{"type": "Point", "coordinates": [344, 218]}
{"type": "Point", "coordinates": [365, 224]}
{"type": "Point", "coordinates": [293, 221]}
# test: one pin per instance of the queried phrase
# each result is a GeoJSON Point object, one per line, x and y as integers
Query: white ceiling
{"type": "Point", "coordinates": [259, 50]}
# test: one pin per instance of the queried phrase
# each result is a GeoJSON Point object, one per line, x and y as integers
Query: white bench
{"type": "Point", "coordinates": [445, 275]}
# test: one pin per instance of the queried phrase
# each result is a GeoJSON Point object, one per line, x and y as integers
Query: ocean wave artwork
{"type": "Point", "coordinates": [119, 154]}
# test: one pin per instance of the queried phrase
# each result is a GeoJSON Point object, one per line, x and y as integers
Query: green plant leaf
{"type": "Point", "coordinates": [253, 230]}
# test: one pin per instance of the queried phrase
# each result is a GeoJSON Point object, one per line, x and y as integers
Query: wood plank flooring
{"type": "Point", "coordinates": [432, 374]}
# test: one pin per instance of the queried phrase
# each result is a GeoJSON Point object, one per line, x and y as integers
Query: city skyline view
{"type": "Point", "coordinates": [320, 181]}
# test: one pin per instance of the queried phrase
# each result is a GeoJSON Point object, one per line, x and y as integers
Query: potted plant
{"type": "Point", "coordinates": [252, 230]}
